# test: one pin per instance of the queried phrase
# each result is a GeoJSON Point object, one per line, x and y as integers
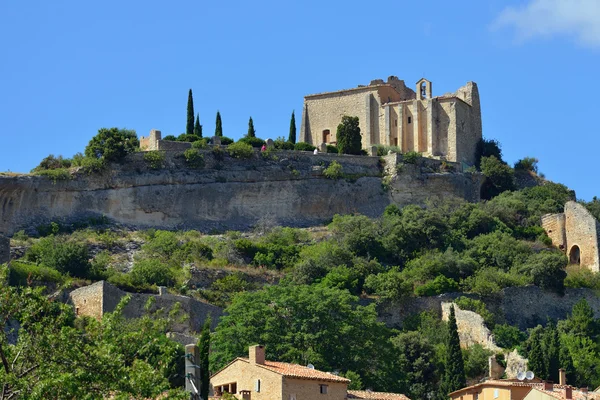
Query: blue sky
{"type": "Point", "coordinates": [68, 68]}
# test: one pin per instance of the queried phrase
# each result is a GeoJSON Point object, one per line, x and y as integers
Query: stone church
{"type": "Point", "coordinates": [446, 127]}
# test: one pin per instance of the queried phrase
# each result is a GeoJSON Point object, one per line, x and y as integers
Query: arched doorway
{"type": "Point", "coordinates": [326, 136]}
{"type": "Point", "coordinates": [575, 255]}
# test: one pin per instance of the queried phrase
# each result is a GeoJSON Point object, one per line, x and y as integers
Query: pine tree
{"type": "Point", "coordinates": [204, 347]}
{"type": "Point", "coordinates": [219, 125]}
{"type": "Point", "coordinates": [292, 137]}
{"type": "Point", "coordinates": [454, 368]}
{"type": "Point", "coordinates": [198, 127]}
{"type": "Point", "coordinates": [189, 128]}
{"type": "Point", "coordinates": [251, 131]}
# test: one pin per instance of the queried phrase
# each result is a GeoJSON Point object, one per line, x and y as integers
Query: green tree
{"type": "Point", "coordinates": [292, 135]}
{"type": "Point", "coordinates": [547, 270]}
{"type": "Point", "coordinates": [198, 127]}
{"type": "Point", "coordinates": [251, 132]}
{"type": "Point", "coordinates": [219, 125]}
{"type": "Point", "coordinates": [303, 324]}
{"type": "Point", "coordinates": [204, 347]}
{"type": "Point", "coordinates": [487, 148]}
{"type": "Point", "coordinates": [535, 353]}
{"type": "Point", "coordinates": [416, 364]}
{"type": "Point", "coordinates": [67, 257]}
{"type": "Point", "coordinates": [551, 344]}
{"type": "Point", "coordinates": [499, 177]}
{"type": "Point", "coordinates": [189, 127]}
{"type": "Point", "coordinates": [349, 139]}
{"type": "Point", "coordinates": [112, 144]}
{"type": "Point", "coordinates": [454, 367]}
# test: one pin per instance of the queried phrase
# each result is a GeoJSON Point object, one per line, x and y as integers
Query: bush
{"type": "Point", "coordinates": [508, 337]}
{"type": "Point", "coordinates": [303, 146]}
{"type": "Point", "coordinates": [439, 285]}
{"type": "Point", "coordinates": [281, 144]}
{"type": "Point", "coordinates": [476, 361]}
{"type": "Point", "coordinates": [547, 270]}
{"type": "Point", "coordinates": [225, 141]}
{"type": "Point", "coordinates": [59, 174]}
{"type": "Point", "coordinates": [152, 272]}
{"type": "Point", "coordinates": [218, 153]}
{"type": "Point", "coordinates": [478, 306]}
{"type": "Point", "coordinates": [580, 277]}
{"type": "Point", "coordinates": [334, 170]}
{"type": "Point", "coordinates": [171, 138]}
{"type": "Point", "coordinates": [487, 148]}
{"type": "Point", "coordinates": [499, 177]}
{"type": "Point", "coordinates": [411, 157]}
{"type": "Point", "coordinates": [155, 159]}
{"type": "Point", "coordinates": [240, 150]}
{"type": "Point", "coordinates": [332, 149]}
{"type": "Point", "coordinates": [200, 144]}
{"type": "Point", "coordinates": [252, 141]}
{"type": "Point", "coordinates": [22, 274]}
{"type": "Point", "coordinates": [190, 138]}
{"type": "Point", "coordinates": [162, 244]}
{"type": "Point", "coordinates": [487, 281]}
{"type": "Point", "coordinates": [194, 158]}
{"type": "Point", "coordinates": [112, 144]}
{"type": "Point", "coordinates": [52, 162]}
{"type": "Point", "coordinates": [389, 285]}
{"type": "Point", "coordinates": [383, 150]}
{"type": "Point", "coordinates": [64, 256]}
{"type": "Point", "coordinates": [527, 164]}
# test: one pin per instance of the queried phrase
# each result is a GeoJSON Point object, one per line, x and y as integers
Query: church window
{"type": "Point", "coordinates": [409, 120]}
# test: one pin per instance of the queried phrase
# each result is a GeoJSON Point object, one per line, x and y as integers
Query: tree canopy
{"type": "Point", "coordinates": [112, 144]}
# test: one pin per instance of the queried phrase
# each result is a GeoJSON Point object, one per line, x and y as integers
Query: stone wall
{"type": "Point", "coordinates": [4, 249]}
{"type": "Point", "coordinates": [101, 297]}
{"type": "Point", "coordinates": [171, 145]}
{"type": "Point", "coordinates": [288, 187]}
{"type": "Point", "coordinates": [471, 328]}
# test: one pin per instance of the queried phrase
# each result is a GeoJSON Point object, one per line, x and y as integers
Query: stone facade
{"type": "Point", "coordinates": [389, 113]}
{"type": "Point", "coordinates": [101, 297]}
{"type": "Point", "coordinates": [577, 233]}
{"type": "Point", "coordinates": [471, 328]}
{"type": "Point", "coordinates": [255, 378]}
{"type": "Point", "coordinates": [4, 249]}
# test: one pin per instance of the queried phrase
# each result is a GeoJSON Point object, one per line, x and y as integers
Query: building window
{"type": "Point", "coordinates": [257, 388]}
{"type": "Point", "coordinates": [409, 120]}
{"type": "Point", "coordinates": [323, 389]}
{"type": "Point", "coordinates": [496, 393]}
{"type": "Point", "coordinates": [395, 122]}
{"type": "Point", "coordinates": [76, 311]}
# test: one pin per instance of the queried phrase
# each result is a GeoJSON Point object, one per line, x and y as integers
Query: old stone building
{"type": "Point", "coordinates": [255, 378]}
{"type": "Point", "coordinates": [101, 297]}
{"type": "Point", "coordinates": [576, 232]}
{"type": "Point", "coordinates": [390, 113]}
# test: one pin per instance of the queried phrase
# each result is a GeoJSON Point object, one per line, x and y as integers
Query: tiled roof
{"type": "Point", "coordinates": [301, 372]}
{"type": "Point", "coordinates": [365, 394]}
{"type": "Point", "coordinates": [558, 391]}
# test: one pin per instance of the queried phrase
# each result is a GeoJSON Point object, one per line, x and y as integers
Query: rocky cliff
{"type": "Point", "coordinates": [288, 188]}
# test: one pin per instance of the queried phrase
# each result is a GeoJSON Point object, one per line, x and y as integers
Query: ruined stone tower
{"type": "Point", "coordinates": [390, 113]}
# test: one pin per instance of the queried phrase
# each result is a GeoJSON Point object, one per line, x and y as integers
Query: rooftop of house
{"type": "Point", "coordinates": [367, 394]}
{"type": "Point", "coordinates": [554, 390]}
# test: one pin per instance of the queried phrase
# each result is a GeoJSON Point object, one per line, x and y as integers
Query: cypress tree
{"type": "Point", "coordinates": [251, 131]}
{"type": "Point", "coordinates": [292, 137]}
{"type": "Point", "coordinates": [551, 352]}
{"type": "Point", "coordinates": [219, 125]}
{"type": "Point", "coordinates": [204, 347]}
{"type": "Point", "coordinates": [454, 368]}
{"type": "Point", "coordinates": [189, 128]}
{"type": "Point", "coordinates": [535, 355]}
{"type": "Point", "coordinates": [198, 127]}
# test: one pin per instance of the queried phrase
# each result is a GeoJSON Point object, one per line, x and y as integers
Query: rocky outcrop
{"type": "Point", "coordinates": [288, 187]}
{"type": "Point", "coordinates": [471, 328]}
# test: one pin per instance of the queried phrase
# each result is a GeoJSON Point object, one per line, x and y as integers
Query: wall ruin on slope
{"type": "Point", "coordinates": [287, 187]}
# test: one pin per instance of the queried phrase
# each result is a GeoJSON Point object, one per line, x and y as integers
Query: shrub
{"type": "Point", "coordinates": [487, 148]}
{"type": "Point", "coordinates": [499, 177]}
{"type": "Point", "coordinates": [476, 361]}
{"type": "Point", "coordinates": [112, 144]}
{"type": "Point", "coordinates": [411, 157]}
{"type": "Point", "coordinates": [349, 139]}
{"type": "Point", "coordinates": [162, 244]}
{"type": "Point", "coordinates": [547, 270]}
{"type": "Point", "coordinates": [508, 337]}
{"type": "Point", "coordinates": [171, 138]}
{"type": "Point", "coordinates": [193, 158]}
{"type": "Point", "coordinates": [155, 159]}
{"type": "Point", "coordinates": [64, 256]}
{"type": "Point", "coordinates": [580, 277]}
{"type": "Point", "coordinates": [190, 138]}
{"type": "Point", "coordinates": [225, 141]}
{"type": "Point", "coordinates": [91, 165]}
{"type": "Point", "coordinates": [527, 164]}
{"type": "Point", "coordinates": [439, 285]}
{"type": "Point", "coordinates": [21, 274]}
{"type": "Point", "coordinates": [389, 285]}
{"type": "Point", "coordinates": [478, 306]}
{"type": "Point", "coordinates": [281, 144]}
{"type": "Point", "coordinates": [334, 170]}
{"type": "Point", "coordinates": [303, 146]}
{"type": "Point", "coordinates": [487, 281]}
{"type": "Point", "coordinates": [240, 150]}
{"type": "Point", "coordinates": [59, 174]}
{"type": "Point", "coordinates": [52, 162]}
{"type": "Point", "coordinates": [252, 141]}
{"type": "Point", "coordinates": [200, 144]}
{"type": "Point", "coordinates": [218, 153]}
{"type": "Point", "coordinates": [332, 149]}
{"type": "Point", "coordinates": [151, 272]}
{"type": "Point", "coordinates": [383, 150]}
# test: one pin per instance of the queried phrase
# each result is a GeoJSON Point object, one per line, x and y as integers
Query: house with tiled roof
{"type": "Point", "coordinates": [514, 389]}
{"type": "Point", "coordinates": [255, 378]}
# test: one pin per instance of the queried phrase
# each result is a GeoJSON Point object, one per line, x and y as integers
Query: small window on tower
{"type": "Point", "coordinates": [323, 389]}
{"type": "Point", "coordinates": [409, 120]}
{"type": "Point", "coordinates": [395, 122]}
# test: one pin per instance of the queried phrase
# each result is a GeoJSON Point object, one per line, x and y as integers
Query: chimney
{"type": "Point", "coordinates": [568, 393]}
{"type": "Point", "coordinates": [257, 354]}
{"type": "Point", "coordinates": [562, 377]}
{"type": "Point", "coordinates": [584, 389]}
{"type": "Point", "coordinates": [549, 386]}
